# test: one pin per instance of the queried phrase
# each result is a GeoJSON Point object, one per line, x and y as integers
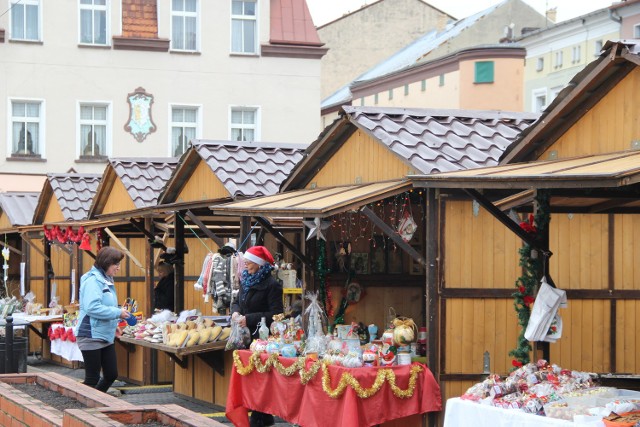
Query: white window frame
{"type": "Point", "coordinates": [185, 14]}
{"type": "Point", "coordinates": [540, 63]}
{"type": "Point", "coordinates": [24, 4]}
{"type": "Point", "coordinates": [198, 124]}
{"type": "Point", "coordinates": [576, 53]}
{"type": "Point", "coordinates": [535, 95]}
{"type": "Point", "coordinates": [597, 47]}
{"type": "Point", "coordinates": [636, 31]}
{"type": "Point", "coordinates": [253, 18]}
{"type": "Point", "coordinates": [106, 9]}
{"type": "Point", "coordinates": [559, 59]}
{"type": "Point", "coordinates": [108, 122]}
{"type": "Point", "coordinates": [40, 121]}
{"type": "Point", "coordinates": [256, 127]}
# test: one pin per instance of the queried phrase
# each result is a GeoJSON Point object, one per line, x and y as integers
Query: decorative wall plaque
{"type": "Point", "coordinates": [140, 122]}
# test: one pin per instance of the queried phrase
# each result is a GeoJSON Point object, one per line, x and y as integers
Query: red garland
{"type": "Point", "coordinates": [529, 225]}
{"type": "Point", "coordinates": [516, 363]}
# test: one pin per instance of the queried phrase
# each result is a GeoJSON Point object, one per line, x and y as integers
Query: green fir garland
{"type": "Point", "coordinates": [531, 263]}
{"type": "Point", "coordinates": [321, 274]}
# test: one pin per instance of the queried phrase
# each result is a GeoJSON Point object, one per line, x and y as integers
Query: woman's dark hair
{"type": "Point", "coordinates": [108, 256]}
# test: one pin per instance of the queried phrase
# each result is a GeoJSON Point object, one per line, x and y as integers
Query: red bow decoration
{"type": "Point", "coordinates": [516, 363]}
{"type": "Point", "coordinates": [529, 225]}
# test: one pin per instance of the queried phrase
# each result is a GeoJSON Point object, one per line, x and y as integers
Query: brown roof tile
{"type": "Point", "coordinates": [144, 179]}
{"type": "Point", "coordinates": [74, 193]}
{"type": "Point", "coordinates": [19, 206]}
{"type": "Point", "coordinates": [249, 169]}
{"type": "Point", "coordinates": [436, 140]}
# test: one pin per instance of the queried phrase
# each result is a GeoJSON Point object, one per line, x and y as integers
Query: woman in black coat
{"type": "Point", "coordinates": [260, 295]}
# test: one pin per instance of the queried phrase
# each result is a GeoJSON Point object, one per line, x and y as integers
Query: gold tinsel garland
{"type": "Point", "coordinates": [346, 380]}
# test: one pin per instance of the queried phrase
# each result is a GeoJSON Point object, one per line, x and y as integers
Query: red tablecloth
{"type": "Point", "coordinates": [308, 405]}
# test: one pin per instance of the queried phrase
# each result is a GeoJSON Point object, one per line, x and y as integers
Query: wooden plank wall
{"type": "Point", "coordinates": [608, 126]}
{"type": "Point", "coordinates": [596, 260]}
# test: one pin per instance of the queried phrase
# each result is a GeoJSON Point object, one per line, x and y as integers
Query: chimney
{"type": "Point", "coordinates": [552, 14]}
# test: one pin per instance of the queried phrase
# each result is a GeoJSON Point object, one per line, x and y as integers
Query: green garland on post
{"type": "Point", "coordinates": [527, 283]}
{"type": "Point", "coordinates": [321, 274]}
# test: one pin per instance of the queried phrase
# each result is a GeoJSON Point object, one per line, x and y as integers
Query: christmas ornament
{"type": "Point", "coordinates": [316, 228]}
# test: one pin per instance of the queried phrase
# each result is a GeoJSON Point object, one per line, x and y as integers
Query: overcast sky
{"type": "Point", "coordinates": [324, 11]}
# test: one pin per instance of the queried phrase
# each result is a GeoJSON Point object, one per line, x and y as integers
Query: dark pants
{"type": "Point", "coordinates": [102, 359]}
{"type": "Point", "coordinates": [260, 419]}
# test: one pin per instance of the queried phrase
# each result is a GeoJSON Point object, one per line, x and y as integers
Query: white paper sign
{"type": "Point", "coordinates": [73, 285]}
{"type": "Point", "coordinates": [23, 266]}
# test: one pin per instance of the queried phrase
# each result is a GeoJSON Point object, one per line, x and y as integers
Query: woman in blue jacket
{"type": "Point", "coordinates": [98, 321]}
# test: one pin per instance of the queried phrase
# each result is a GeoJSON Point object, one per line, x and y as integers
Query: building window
{"type": "Point", "coordinates": [244, 124]}
{"type": "Point", "coordinates": [575, 54]}
{"type": "Point", "coordinates": [484, 72]}
{"type": "Point", "coordinates": [539, 64]}
{"type": "Point", "coordinates": [93, 22]}
{"type": "Point", "coordinates": [406, 90]}
{"type": "Point", "coordinates": [26, 127]}
{"type": "Point", "coordinates": [362, 101]}
{"type": "Point", "coordinates": [636, 31]}
{"type": "Point", "coordinates": [243, 26]}
{"type": "Point", "coordinates": [441, 81]}
{"type": "Point", "coordinates": [184, 25]}
{"type": "Point", "coordinates": [539, 100]}
{"type": "Point", "coordinates": [554, 91]}
{"type": "Point", "coordinates": [375, 99]}
{"type": "Point", "coordinates": [390, 94]}
{"type": "Point", "coordinates": [25, 20]}
{"type": "Point", "coordinates": [598, 48]}
{"type": "Point", "coordinates": [94, 131]}
{"type": "Point", "coordinates": [423, 85]}
{"type": "Point", "coordinates": [558, 59]}
{"type": "Point", "coordinates": [184, 125]}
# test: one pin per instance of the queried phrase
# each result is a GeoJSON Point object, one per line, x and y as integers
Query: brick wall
{"type": "Point", "coordinates": [18, 409]}
{"type": "Point", "coordinates": [140, 19]}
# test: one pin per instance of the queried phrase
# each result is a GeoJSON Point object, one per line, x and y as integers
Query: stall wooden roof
{"type": "Point", "coordinates": [131, 183]}
{"type": "Point", "coordinates": [426, 140]}
{"type": "Point", "coordinates": [317, 202]}
{"type": "Point", "coordinates": [16, 209]}
{"type": "Point", "coordinates": [600, 183]}
{"type": "Point", "coordinates": [583, 92]}
{"type": "Point", "coordinates": [66, 197]}
{"type": "Point", "coordinates": [240, 169]}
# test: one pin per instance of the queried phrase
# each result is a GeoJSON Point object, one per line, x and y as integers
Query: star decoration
{"type": "Point", "coordinates": [316, 228]}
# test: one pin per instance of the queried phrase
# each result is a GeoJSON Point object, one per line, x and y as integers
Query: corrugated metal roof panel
{"type": "Point", "coordinates": [144, 179]}
{"type": "Point", "coordinates": [74, 193]}
{"type": "Point", "coordinates": [19, 206]}
{"type": "Point", "coordinates": [319, 202]}
{"type": "Point", "coordinates": [434, 140]}
{"type": "Point", "coordinates": [247, 169]}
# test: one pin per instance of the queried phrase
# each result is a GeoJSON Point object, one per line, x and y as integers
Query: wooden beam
{"type": "Point", "coordinates": [178, 291]}
{"type": "Point", "coordinates": [280, 237]}
{"type": "Point", "coordinates": [11, 248]}
{"type": "Point", "coordinates": [138, 225]}
{"type": "Point", "coordinates": [124, 249]}
{"type": "Point", "coordinates": [393, 235]}
{"type": "Point", "coordinates": [27, 239]}
{"type": "Point", "coordinates": [210, 234]}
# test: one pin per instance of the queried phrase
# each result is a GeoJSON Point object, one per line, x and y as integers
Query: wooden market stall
{"type": "Point", "coordinates": [210, 172]}
{"type": "Point", "coordinates": [584, 173]}
{"type": "Point", "coordinates": [352, 186]}
{"type": "Point", "coordinates": [16, 210]}
{"type": "Point", "coordinates": [56, 262]}
{"type": "Point", "coordinates": [129, 185]}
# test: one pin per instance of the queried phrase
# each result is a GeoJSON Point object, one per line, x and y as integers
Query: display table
{"type": "Point", "coordinates": [309, 404]}
{"type": "Point", "coordinates": [464, 413]}
{"type": "Point", "coordinates": [65, 348]}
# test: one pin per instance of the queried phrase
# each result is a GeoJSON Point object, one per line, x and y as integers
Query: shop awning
{"type": "Point", "coordinates": [316, 202]}
{"type": "Point", "coordinates": [593, 171]}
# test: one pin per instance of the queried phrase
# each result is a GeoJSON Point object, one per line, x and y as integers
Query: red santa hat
{"type": "Point", "coordinates": [258, 254]}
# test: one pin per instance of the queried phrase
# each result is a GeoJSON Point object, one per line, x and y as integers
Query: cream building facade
{"type": "Point", "coordinates": [84, 80]}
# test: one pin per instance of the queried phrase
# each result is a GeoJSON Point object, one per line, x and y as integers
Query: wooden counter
{"type": "Point", "coordinates": [199, 371]}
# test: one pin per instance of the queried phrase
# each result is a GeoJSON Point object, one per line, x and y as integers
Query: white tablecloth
{"type": "Point", "coordinates": [67, 349]}
{"type": "Point", "coordinates": [464, 413]}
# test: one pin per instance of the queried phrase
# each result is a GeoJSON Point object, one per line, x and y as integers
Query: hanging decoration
{"type": "Point", "coordinates": [527, 283]}
{"type": "Point", "coordinates": [56, 234]}
{"type": "Point", "coordinates": [407, 225]}
{"type": "Point", "coordinates": [5, 267]}
{"type": "Point", "coordinates": [346, 379]}
{"type": "Point", "coordinates": [316, 228]}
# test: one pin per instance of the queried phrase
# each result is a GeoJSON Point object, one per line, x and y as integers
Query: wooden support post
{"type": "Point", "coordinates": [179, 266]}
{"type": "Point", "coordinates": [431, 294]}
{"type": "Point", "coordinates": [245, 230]}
